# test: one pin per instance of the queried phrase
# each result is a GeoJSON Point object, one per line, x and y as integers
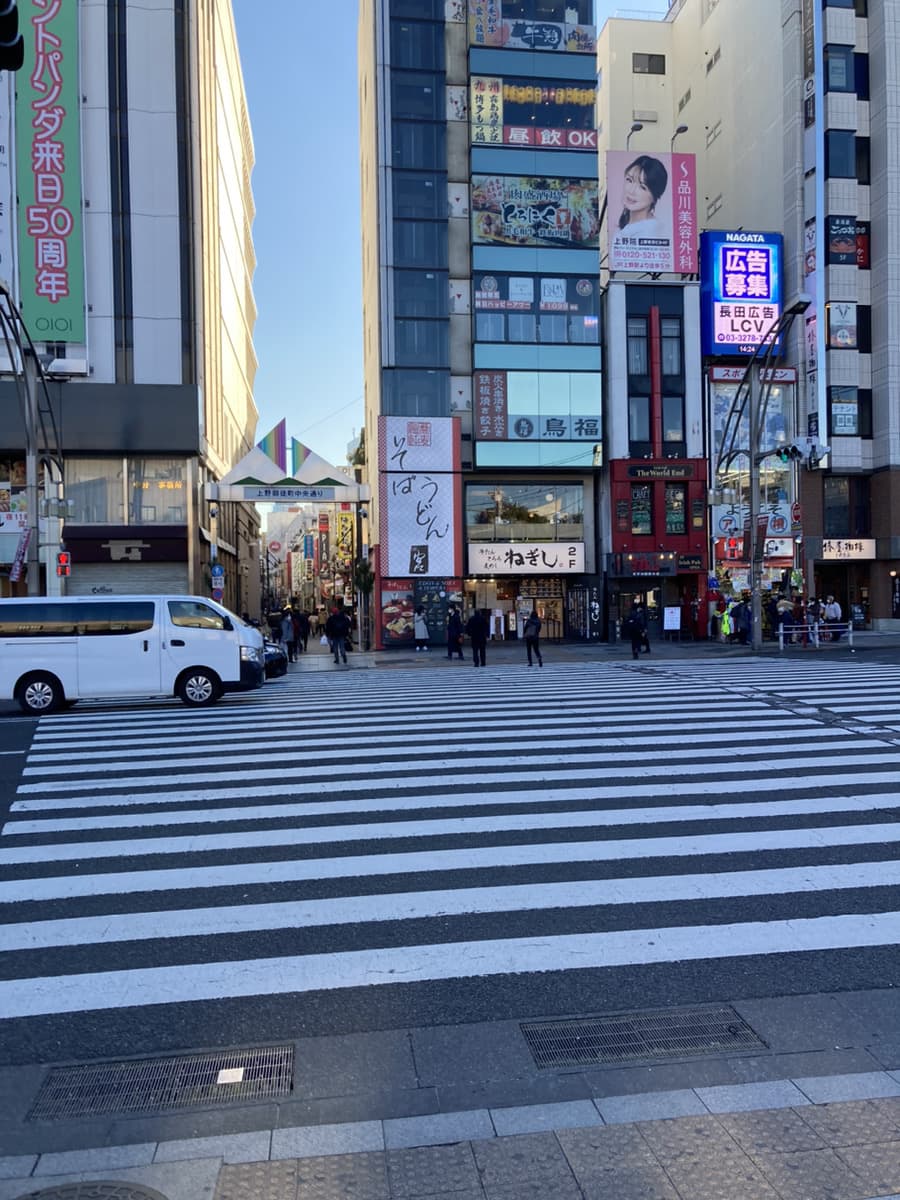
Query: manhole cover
{"type": "Point", "coordinates": [669, 1033]}
{"type": "Point", "coordinates": [222, 1077]}
{"type": "Point", "coordinates": [95, 1191]}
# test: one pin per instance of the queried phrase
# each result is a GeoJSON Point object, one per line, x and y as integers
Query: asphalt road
{"type": "Point", "coordinates": [359, 851]}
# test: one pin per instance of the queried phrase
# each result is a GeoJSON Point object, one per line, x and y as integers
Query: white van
{"type": "Point", "coordinates": [56, 650]}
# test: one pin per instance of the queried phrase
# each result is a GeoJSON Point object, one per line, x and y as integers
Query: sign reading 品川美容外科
{"type": "Point", "coordinates": [740, 290]}
{"type": "Point", "coordinates": [48, 174]}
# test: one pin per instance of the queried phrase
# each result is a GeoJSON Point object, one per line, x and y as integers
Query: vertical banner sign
{"type": "Point", "coordinates": [48, 173]}
{"type": "Point", "coordinates": [7, 195]}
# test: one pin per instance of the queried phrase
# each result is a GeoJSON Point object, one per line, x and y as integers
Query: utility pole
{"type": "Point", "coordinates": [32, 493]}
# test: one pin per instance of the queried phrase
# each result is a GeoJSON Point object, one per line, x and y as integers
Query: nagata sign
{"type": "Point", "coordinates": [740, 290]}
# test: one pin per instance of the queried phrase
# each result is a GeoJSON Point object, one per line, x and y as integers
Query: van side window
{"type": "Point", "coordinates": [105, 617]}
{"type": "Point", "coordinates": [37, 620]}
{"type": "Point", "coordinates": [190, 614]}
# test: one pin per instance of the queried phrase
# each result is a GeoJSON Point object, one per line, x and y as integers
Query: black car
{"type": "Point", "coordinates": [276, 660]}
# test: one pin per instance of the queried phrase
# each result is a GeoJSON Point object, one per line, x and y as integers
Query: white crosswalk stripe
{"type": "Point", "coordinates": [455, 826]}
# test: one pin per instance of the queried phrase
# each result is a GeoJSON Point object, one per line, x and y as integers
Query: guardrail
{"type": "Point", "coordinates": [815, 633]}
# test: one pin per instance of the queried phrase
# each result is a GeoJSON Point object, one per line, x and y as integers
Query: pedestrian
{"type": "Point", "coordinates": [454, 633]}
{"type": "Point", "coordinates": [785, 617]}
{"type": "Point", "coordinates": [303, 630]}
{"type": "Point", "coordinates": [337, 630]}
{"type": "Point", "coordinates": [636, 629]}
{"type": "Point", "coordinates": [833, 617]}
{"type": "Point", "coordinates": [477, 630]}
{"type": "Point", "coordinates": [287, 635]}
{"type": "Point", "coordinates": [532, 633]}
{"type": "Point", "coordinates": [813, 617]}
{"type": "Point", "coordinates": [420, 628]}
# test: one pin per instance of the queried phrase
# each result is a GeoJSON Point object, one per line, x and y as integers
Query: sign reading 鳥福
{"type": "Point", "coordinates": [48, 173]}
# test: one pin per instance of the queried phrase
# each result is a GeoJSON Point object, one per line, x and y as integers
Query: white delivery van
{"type": "Point", "coordinates": [55, 650]}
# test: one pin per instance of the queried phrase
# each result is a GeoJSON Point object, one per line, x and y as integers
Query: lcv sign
{"type": "Point", "coordinates": [740, 290]}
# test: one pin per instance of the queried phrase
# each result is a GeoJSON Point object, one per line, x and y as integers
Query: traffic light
{"type": "Point", "coordinates": [788, 454]}
{"type": "Point", "coordinates": [731, 547]}
{"type": "Point", "coordinates": [64, 563]}
{"type": "Point", "coordinates": [12, 45]}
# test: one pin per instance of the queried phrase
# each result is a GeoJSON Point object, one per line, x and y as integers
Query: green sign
{"type": "Point", "coordinates": [48, 173]}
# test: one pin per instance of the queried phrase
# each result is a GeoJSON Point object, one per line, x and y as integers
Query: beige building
{"type": "Point", "coordinates": [153, 382]}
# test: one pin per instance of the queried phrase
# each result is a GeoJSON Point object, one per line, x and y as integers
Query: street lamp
{"type": "Point", "coordinates": [748, 397]}
{"type": "Point", "coordinates": [635, 128]}
{"type": "Point", "coordinates": [678, 132]}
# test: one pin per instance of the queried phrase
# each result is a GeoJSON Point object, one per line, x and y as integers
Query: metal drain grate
{"type": "Point", "coordinates": [669, 1033]}
{"type": "Point", "coordinates": [217, 1078]}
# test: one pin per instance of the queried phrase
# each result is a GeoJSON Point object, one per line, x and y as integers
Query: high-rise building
{"type": "Point", "coordinates": [481, 214]}
{"type": "Point", "coordinates": [132, 259]}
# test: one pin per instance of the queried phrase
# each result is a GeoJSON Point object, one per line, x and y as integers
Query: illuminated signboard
{"type": "Point", "coordinates": [652, 221]}
{"type": "Point", "coordinates": [489, 27]}
{"type": "Point", "coordinates": [522, 112]}
{"type": "Point", "coordinates": [741, 290]}
{"type": "Point", "coordinates": [512, 210]}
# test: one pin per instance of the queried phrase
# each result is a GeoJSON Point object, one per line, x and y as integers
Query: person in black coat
{"type": "Point", "coordinates": [636, 628]}
{"type": "Point", "coordinates": [337, 630]}
{"type": "Point", "coordinates": [477, 629]}
{"type": "Point", "coordinates": [454, 634]}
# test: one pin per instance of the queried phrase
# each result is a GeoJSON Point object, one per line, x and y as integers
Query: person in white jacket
{"type": "Point", "coordinates": [420, 628]}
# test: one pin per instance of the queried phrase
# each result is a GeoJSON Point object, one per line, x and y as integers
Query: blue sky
{"type": "Point", "coordinates": [300, 78]}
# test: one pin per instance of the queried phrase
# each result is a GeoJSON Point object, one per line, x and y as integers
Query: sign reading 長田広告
{"type": "Point", "coordinates": [48, 173]}
{"type": "Point", "coordinates": [740, 290]}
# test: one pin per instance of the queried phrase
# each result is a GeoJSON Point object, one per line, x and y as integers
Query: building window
{"type": "Point", "coordinates": [423, 9]}
{"type": "Point", "coordinates": [673, 424]}
{"type": "Point", "coordinates": [418, 95]}
{"type": "Point", "coordinates": [839, 69]}
{"type": "Point", "coordinates": [420, 243]}
{"type": "Point", "coordinates": [685, 100]}
{"type": "Point", "coordinates": [407, 393]}
{"type": "Point", "coordinates": [417, 45]}
{"type": "Point", "coordinates": [158, 489]}
{"type": "Point", "coordinates": [550, 10]}
{"type": "Point", "coordinates": [526, 512]}
{"type": "Point", "coordinates": [713, 59]}
{"type": "Point", "coordinates": [670, 331]}
{"type": "Point", "coordinates": [864, 328]}
{"type": "Point", "coordinates": [95, 488]}
{"type": "Point", "coordinates": [713, 132]}
{"type": "Point", "coordinates": [523, 327]}
{"type": "Point", "coordinates": [861, 75]}
{"type": "Point", "coordinates": [638, 353]}
{"type": "Point", "coordinates": [863, 160]}
{"type": "Point", "coordinates": [490, 327]}
{"type": "Point", "coordinates": [422, 343]}
{"type": "Point", "coordinates": [847, 507]}
{"type": "Point", "coordinates": [421, 293]}
{"type": "Point", "coordinates": [418, 144]}
{"type": "Point", "coordinates": [639, 423]}
{"type": "Point", "coordinates": [554, 327]}
{"type": "Point", "coordinates": [513, 307]}
{"type": "Point", "coordinates": [849, 412]}
{"type": "Point", "coordinates": [713, 206]}
{"type": "Point", "coordinates": [421, 194]}
{"type": "Point", "coordinates": [840, 154]}
{"type": "Point", "coordinates": [676, 497]}
{"type": "Point", "coordinates": [641, 509]}
{"type": "Point", "coordinates": [648, 64]}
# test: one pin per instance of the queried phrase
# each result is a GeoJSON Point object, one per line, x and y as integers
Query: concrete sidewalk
{"type": "Point", "coordinates": [464, 1113]}
{"type": "Point", "coordinates": [512, 653]}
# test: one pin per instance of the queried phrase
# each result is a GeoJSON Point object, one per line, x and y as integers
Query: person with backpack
{"type": "Point", "coordinates": [454, 634]}
{"type": "Point", "coordinates": [337, 630]}
{"type": "Point", "coordinates": [532, 632]}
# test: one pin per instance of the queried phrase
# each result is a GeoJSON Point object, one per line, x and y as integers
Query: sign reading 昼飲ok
{"type": "Point", "coordinates": [48, 173]}
{"type": "Point", "coordinates": [740, 290]}
{"type": "Point", "coordinates": [522, 112]}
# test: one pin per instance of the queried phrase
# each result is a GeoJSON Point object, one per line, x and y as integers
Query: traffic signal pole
{"type": "Point", "coordinates": [755, 547]}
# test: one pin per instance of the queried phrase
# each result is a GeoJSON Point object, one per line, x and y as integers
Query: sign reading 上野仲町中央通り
{"type": "Point", "coordinates": [48, 173]}
{"type": "Point", "coordinates": [740, 290]}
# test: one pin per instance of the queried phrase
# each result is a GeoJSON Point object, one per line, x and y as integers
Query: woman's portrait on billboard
{"type": "Point", "coordinates": [644, 184]}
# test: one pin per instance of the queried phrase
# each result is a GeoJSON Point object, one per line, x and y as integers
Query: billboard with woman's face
{"type": "Point", "coordinates": [652, 217]}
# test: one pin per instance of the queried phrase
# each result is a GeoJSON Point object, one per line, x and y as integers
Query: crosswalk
{"type": "Point", "coordinates": [371, 830]}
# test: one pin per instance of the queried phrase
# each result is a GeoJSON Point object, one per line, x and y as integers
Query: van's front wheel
{"type": "Point", "coordinates": [198, 687]}
{"type": "Point", "coordinates": [39, 693]}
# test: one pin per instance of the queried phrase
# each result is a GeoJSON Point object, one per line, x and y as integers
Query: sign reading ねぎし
{"type": "Point", "coordinates": [740, 290]}
{"type": "Point", "coordinates": [48, 173]}
{"type": "Point", "coordinates": [420, 495]}
{"type": "Point", "coordinates": [652, 212]}
{"type": "Point", "coordinates": [525, 558]}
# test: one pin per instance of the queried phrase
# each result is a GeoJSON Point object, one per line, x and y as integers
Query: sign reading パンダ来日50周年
{"type": "Point", "coordinates": [48, 173]}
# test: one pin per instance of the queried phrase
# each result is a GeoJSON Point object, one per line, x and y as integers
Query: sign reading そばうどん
{"type": "Point", "coordinates": [740, 289]}
{"type": "Point", "coordinates": [48, 173]}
